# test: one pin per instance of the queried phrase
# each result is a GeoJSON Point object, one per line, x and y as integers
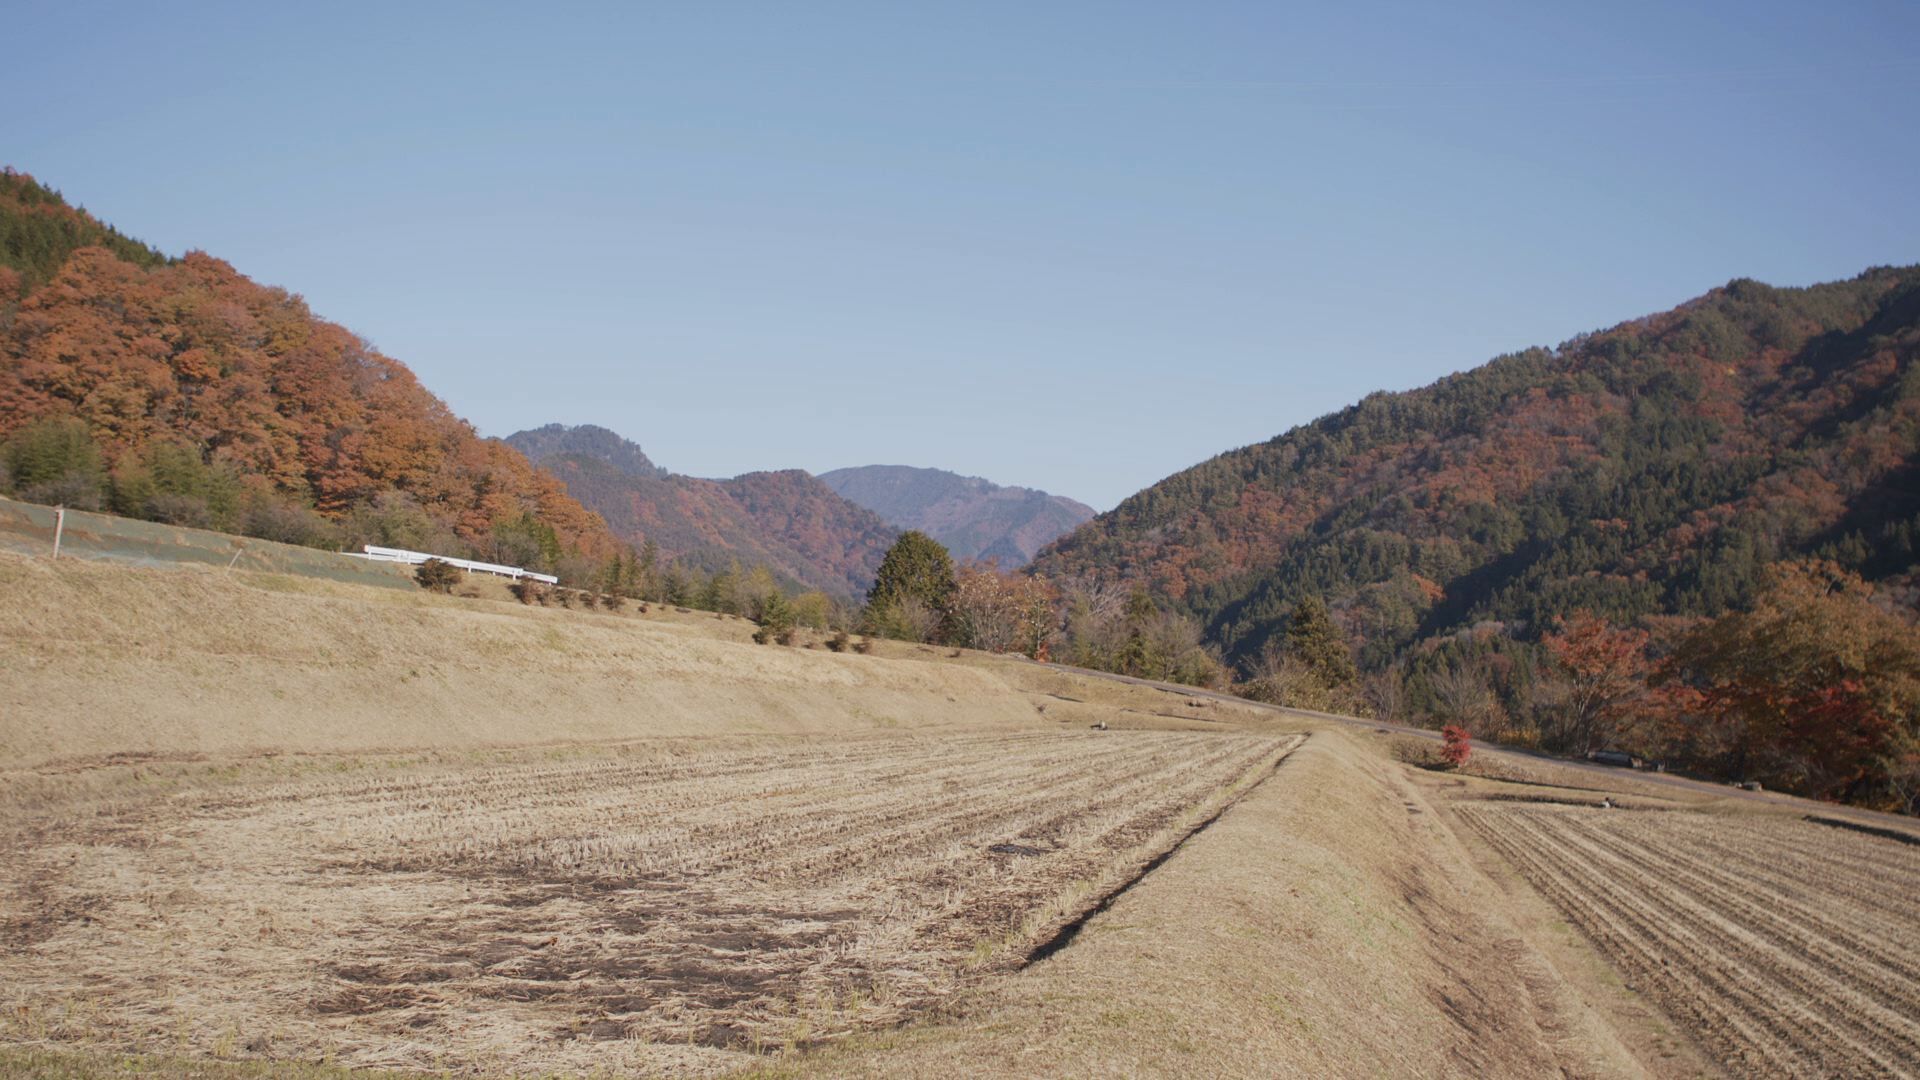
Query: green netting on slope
{"type": "Point", "coordinates": [28, 530]}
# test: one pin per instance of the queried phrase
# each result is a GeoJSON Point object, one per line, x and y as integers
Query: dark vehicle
{"type": "Point", "coordinates": [1617, 758]}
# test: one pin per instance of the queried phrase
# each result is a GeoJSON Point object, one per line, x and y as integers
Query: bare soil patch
{"type": "Point", "coordinates": [1785, 948]}
{"type": "Point", "coordinates": [665, 905]}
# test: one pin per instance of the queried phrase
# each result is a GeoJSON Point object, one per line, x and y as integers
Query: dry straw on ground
{"type": "Point", "coordinates": [1786, 947]}
{"type": "Point", "coordinates": [663, 905]}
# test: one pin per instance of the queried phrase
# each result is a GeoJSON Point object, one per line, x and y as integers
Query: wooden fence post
{"type": "Point", "coordinates": [59, 526]}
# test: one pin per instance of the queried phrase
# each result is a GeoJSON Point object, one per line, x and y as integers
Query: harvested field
{"type": "Point", "coordinates": [666, 905]}
{"type": "Point", "coordinates": [1785, 947]}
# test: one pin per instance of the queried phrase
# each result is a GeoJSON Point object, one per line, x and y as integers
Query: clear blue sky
{"type": "Point", "coordinates": [1073, 246]}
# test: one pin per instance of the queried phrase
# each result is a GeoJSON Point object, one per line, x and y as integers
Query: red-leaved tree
{"type": "Point", "coordinates": [1605, 668]}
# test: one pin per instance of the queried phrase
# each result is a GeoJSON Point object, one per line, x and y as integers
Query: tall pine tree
{"type": "Point", "coordinates": [1312, 636]}
{"type": "Point", "coordinates": [916, 575]}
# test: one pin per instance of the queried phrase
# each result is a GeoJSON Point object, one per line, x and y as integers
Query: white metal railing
{"type": "Point", "coordinates": [402, 555]}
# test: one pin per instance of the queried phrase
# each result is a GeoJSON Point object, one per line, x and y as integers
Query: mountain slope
{"type": "Point", "coordinates": [788, 521]}
{"type": "Point", "coordinates": [555, 440]}
{"type": "Point", "coordinates": [204, 398]}
{"type": "Point", "coordinates": [1654, 468]}
{"type": "Point", "coordinates": [975, 519]}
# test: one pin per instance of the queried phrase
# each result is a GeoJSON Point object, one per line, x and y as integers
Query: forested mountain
{"type": "Point", "coordinates": [975, 519]}
{"type": "Point", "coordinates": [555, 440]}
{"type": "Point", "coordinates": [788, 521]}
{"type": "Point", "coordinates": [179, 390]}
{"type": "Point", "coordinates": [1654, 469]}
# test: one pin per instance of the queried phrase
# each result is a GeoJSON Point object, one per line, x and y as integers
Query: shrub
{"type": "Point", "coordinates": [612, 601]}
{"type": "Point", "coordinates": [74, 490]}
{"type": "Point", "coordinates": [289, 523]}
{"type": "Point", "coordinates": [776, 621]}
{"type": "Point", "coordinates": [55, 461]}
{"type": "Point", "coordinates": [175, 508]}
{"type": "Point", "coordinates": [528, 591]}
{"type": "Point", "coordinates": [437, 575]}
{"type": "Point", "coordinates": [907, 618]}
{"type": "Point", "coordinates": [839, 641]}
{"type": "Point", "coordinates": [1455, 745]}
{"type": "Point", "coordinates": [863, 646]}
{"type": "Point", "coordinates": [770, 633]}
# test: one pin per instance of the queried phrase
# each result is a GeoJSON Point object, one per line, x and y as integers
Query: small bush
{"type": "Point", "coordinates": [437, 575]}
{"type": "Point", "coordinates": [289, 523]}
{"type": "Point", "coordinates": [839, 641]}
{"type": "Point", "coordinates": [1455, 745]}
{"type": "Point", "coordinates": [863, 646]}
{"type": "Point", "coordinates": [612, 601]}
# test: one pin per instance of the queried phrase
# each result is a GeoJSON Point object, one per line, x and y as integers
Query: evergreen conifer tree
{"type": "Point", "coordinates": [916, 568]}
{"type": "Point", "coordinates": [1312, 636]}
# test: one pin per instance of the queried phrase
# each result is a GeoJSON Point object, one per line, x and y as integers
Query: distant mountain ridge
{"type": "Point", "coordinates": [555, 440]}
{"type": "Point", "coordinates": [974, 518]}
{"type": "Point", "coordinates": [788, 521]}
{"type": "Point", "coordinates": [1653, 469]}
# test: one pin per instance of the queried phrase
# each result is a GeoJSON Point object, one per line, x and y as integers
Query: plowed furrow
{"type": "Point", "coordinates": [1720, 1013]}
{"type": "Point", "coordinates": [1744, 884]}
{"type": "Point", "coordinates": [1768, 983]}
{"type": "Point", "coordinates": [1825, 971]}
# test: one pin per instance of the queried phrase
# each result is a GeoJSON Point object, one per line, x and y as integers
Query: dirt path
{"type": "Point", "coordinates": [1321, 928]}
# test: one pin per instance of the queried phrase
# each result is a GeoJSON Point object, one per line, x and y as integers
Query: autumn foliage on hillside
{"type": "Point", "coordinates": [1512, 548]}
{"type": "Point", "coordinates": [1815, 689]}
{"type": "Point", "coordinates": [1657, 468]}
{"type": "Point", "coordinates": [184, 370]}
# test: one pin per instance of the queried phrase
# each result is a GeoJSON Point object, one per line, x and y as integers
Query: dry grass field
{"type": "Point", "coordinates": [255, 825]}
{"type": "Point", "coordinates": [98, 661]}
{"type": "Point", "coordinates": [1787, 948]}
{"type": "Point", "coordinates": [663, 906]}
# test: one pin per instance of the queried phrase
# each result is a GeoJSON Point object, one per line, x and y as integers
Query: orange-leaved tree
{"type": "Point", "coordinates": [1605, 668]}
{"type": "Point", "coordinates": [997, 611]}
{"type": "Point", "coordinates": [1816, 690]}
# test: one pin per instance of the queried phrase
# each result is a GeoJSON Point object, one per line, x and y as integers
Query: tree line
{"type": "Point", "coordinates": [1813, 688]}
